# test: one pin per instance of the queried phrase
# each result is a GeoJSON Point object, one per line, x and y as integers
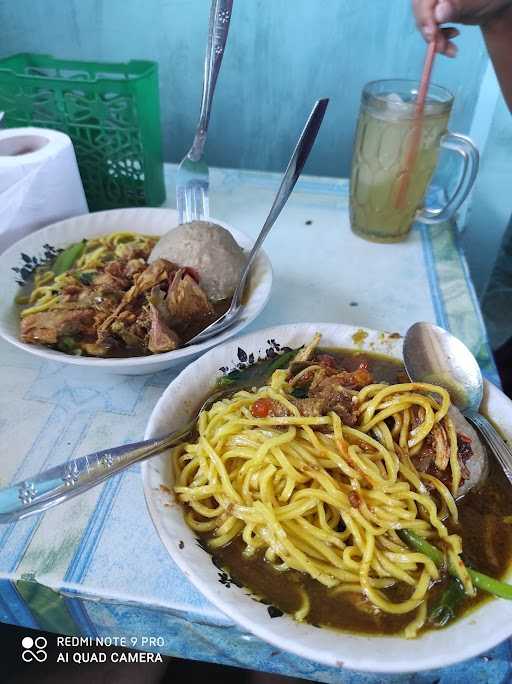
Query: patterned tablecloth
{"type": "Point", "coordinates": [95, 566]}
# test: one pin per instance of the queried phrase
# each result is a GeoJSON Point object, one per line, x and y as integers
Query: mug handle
{"type": "Point", "coordinates": [470, 160]}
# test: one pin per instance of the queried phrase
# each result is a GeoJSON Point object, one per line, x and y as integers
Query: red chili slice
{"type": "Point", "coordinates": [261, 408]}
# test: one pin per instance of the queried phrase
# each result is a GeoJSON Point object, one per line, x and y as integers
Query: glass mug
{"type": "Point", "coordinates": [384, 204]}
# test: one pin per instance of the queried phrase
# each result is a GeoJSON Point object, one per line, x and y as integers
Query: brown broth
{"type": "Point", "coordinates": [487, 544]}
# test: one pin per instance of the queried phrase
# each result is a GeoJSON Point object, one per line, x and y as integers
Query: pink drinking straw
{"type": "Point", "coordinates": [412, 152]}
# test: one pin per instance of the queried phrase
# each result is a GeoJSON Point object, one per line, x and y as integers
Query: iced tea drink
{"type": "Point", "coordinates": [384, 133]}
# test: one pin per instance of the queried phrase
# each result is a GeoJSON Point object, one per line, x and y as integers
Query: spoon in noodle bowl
{"type": "Point", "coordinates": [433, 355]}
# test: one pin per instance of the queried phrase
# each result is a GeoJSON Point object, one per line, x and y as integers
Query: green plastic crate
{"type": "Point", "coordinates": [111, 113]}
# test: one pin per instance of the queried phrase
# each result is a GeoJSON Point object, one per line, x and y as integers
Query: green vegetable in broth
{"type": "Point", "coordinates": [481, 581]}
{"type": "Point", "coordinates": [68, 257]}
{"type": "Point", "coordinates": [258, 372]}
{"type": "Point", "coordinates": [446, 607]}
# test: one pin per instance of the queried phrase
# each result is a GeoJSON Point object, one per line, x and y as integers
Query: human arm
{"type": "Point", "coordinates": [494, 18]}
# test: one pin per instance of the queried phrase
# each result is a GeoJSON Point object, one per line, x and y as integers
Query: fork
{"type": "Point", "coordinates": [192, 177]}
{"type": "Point", "coordinates": [67, 480]}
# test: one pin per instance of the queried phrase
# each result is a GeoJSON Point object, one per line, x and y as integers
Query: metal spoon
{"type": "Point", "coordinates": [76, 476]}
{"type": "Point", "coordinates": [433, 355]}
{"type": "Point", "coordinates": [290, 177]}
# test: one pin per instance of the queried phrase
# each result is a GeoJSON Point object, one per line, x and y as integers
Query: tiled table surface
{"type": "Point", "coordinates": [95, 566]}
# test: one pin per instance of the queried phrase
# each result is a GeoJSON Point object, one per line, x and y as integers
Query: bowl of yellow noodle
{"type": "Point", "coordinates": [59, 281]}
{"type": "Point", "coordinates": [319, 504]}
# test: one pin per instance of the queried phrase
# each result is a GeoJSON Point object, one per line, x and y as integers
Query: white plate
{"type": "Point", "coordinates": [469, 636]}
{"type": "Point", "coordinates": [141, 220]}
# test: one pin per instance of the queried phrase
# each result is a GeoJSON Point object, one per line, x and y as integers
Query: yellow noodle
{"type": "Point", "coordinates": [454, 461]}
{"type": "Point", "coordinates": [412, 629]}
{"type": "Point", "coordinates": [45, 302]}
{"type": "Point", "coordinates": [302, 612]}
{"type": "Point", "coordinates": [47, 290]}
{"type": "Point", "coordinates": [326, 503]}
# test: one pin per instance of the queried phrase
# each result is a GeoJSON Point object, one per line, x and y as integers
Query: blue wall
{"type": "Point", "coordinates": [281, 55]}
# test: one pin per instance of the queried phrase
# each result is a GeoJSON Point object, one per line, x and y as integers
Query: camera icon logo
{"type": "Point", "coordinates": [34, 649]}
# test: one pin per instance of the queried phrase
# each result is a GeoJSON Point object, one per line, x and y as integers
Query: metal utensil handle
{"type": "Point", "coordinates": [494, 440]}
{"type": "Point", "coordinates": [290, 178]}
{"type": "Point", "coordinates": [218, 27]}
{"type": "Point", "coordinates": [62, 482]}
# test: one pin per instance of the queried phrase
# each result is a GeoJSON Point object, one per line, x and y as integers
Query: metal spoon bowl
{"type": "Point", "coordinates": [433, 355]}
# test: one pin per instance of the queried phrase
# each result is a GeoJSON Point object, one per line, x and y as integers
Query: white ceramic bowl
{"type": "Point", "coordinates": [141, 220]}
{"type": "Point", "coordinates": [472, 634]}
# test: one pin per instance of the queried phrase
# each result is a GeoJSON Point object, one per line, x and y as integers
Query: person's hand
{"type": "Point", "coordinates": [431, 13]}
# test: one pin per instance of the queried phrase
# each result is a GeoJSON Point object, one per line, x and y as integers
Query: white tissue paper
{"type": "Point", "coordinates": [39, 181]}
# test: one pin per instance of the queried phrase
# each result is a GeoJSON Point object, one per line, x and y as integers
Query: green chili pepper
{"type": "Point", "coordinates": [282, 360]}
{"type": "Point", "coordinates": [481, 581]}
{"type": "Point", "coordinates": [224, 380]}
{"type": "Point", "coordinates": [257, 372]}
{"type": "Point", "coordinates": [86, 277]}
{"type": "Point", "coordinates": [68, 257]}
{"type": "Point", "coordinates": [446, 607]}
{"type": "Point", "coordinates": [67, 344]}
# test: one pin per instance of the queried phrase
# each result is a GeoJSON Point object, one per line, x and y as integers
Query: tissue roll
{"type": "Point", "coordinates": [39, 181]}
